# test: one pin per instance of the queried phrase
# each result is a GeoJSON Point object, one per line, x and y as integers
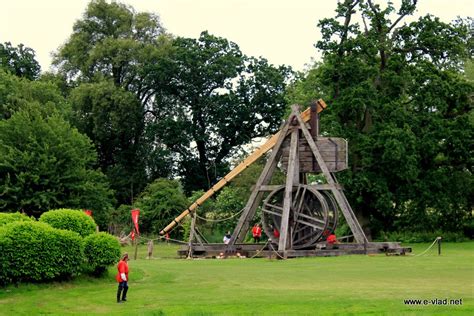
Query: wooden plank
{"type": "Point", "coordinates": [327, 155]}
{"type": "Point", "coordinates": [323, 143]}
{"type": "Point", "coordinates": [308, 167]}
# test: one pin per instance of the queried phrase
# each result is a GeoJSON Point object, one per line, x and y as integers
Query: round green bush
{"type": "Point", "coordinates": [33, 251]}
{"type": "Point", "coordinates": [6, 218]}
{"type": "Point", "coordinates": [101, 250]}
{"type": "Point", "coordinates": [74, 220]}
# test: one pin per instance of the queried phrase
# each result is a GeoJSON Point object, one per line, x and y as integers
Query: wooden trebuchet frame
{"type": "Point", "coordinates": [297, 217]}
{"type": "Point", "coordinates": [305, 117]}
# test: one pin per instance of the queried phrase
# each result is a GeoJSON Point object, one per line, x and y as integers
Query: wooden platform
{"type": "Point", "coordinates": [268, 251]}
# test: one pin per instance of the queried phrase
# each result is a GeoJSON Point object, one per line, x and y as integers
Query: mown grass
{"type": "Point", "coordinates": [165, 285]}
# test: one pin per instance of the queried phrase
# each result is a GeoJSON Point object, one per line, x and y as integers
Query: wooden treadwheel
{"type": "Point", "coordinates": [312, 214]}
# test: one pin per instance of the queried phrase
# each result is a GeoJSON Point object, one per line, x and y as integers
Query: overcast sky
{"type": "Point", "coordinates": [283, 31]}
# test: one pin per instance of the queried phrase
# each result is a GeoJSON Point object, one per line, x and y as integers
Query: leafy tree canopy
{"type": "Point", "coordinates": [16, 93]}
{"type": "Point", "coordinates": [46, 164]}
{"type": "Point", "coordinates": [114, 60]}
{"type": "Point", "coordinates": [159, 203]}
{"type": "Point", "coordinates": [216, 100]}
{"type": "Point", "coordinates": [113, 120]}
{"type": "Point", "coordinates": [20, 61]}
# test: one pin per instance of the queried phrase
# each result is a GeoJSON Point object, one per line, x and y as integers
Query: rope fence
{"type": "Point", "coordinates": [427, 249]}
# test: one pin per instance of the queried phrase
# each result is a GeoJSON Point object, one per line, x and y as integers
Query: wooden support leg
{"type": "Point", "coordinates": [285, 234]}
{"type": "Point", "coordinates": [191, 235]}
{"type": "Point", "coordinates": [256, 196]}
{"type": "Point", "coordinates": [351, 219]}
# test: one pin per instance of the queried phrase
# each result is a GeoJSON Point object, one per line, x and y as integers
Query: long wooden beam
{"type": "Point", "coordinates": [237, 170]}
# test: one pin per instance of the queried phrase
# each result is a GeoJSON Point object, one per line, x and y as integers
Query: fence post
{"type": "Point", "coordinates": [439, 246]}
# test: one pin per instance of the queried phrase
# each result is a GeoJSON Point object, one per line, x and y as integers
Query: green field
{"type": "Point", "coordinates": [305, 286]}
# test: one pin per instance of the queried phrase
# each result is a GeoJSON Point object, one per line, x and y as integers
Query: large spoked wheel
{"type": "Point", "coordinates": [312, 214]}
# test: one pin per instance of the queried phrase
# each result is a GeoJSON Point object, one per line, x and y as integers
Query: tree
{"type": "Point", "coordinates": [15, 93]}
{"type": "Point", "coordinates": [160, 202]}
{"type": "Point", "coordinates": [46, 164]}
{"type": "Point", "coordinates": [397, 94]}
{"type": "Point", "coordinates": [117, 58]}
{"type": "Point", "coordinates": [113, 120]}
{"type": "Point", "coordinates": [20, 61]}
{"type": "Point", "coordinates": [216, 100]}
{"type": "Point", "coordinates": [112, 41]}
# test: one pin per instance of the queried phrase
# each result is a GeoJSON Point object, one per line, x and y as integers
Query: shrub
{"type": "Point", "coordinates": [468, 229]}
{"type": "Point", "coordinates": [101, 250]}
{"type": "Point", "coordinates": [33, 251]}
{"type": "Point", "coordinates": [74, 220]}
{"type": "Point", "coordinates": [415, 237]}
{"type": "Point", "coordinates": [6, 218]}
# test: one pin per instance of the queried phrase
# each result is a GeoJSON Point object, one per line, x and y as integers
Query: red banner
{"type": "Point", "coordinates": [135, 214]}
{"type": "Point", "coordinates": [88, 212]}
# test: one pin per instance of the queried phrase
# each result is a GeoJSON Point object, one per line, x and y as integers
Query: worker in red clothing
{"type": "Point", "coordinates": [276, 232]}
{"type": "Point", "coordinates": [122, 278]}
{"type": "Point", "coordinates": [256, 233]}
{"type": "Point", "coordinates": [331, 241]}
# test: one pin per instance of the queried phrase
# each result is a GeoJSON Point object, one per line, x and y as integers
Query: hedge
{"type": "Point", "coordinates": [6, 218]}
{"type": "Point", "coordinates": [101, 250]}
{"type": "Point", "coordinates": [33, 251]}
{"type": "Point", "coordinates": [74, 220]}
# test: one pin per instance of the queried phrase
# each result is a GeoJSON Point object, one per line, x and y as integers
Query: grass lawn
{"type": "Point", "coordinates": [305, 286]}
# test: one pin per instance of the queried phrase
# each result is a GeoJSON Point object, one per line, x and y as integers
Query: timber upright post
{"type": "Point", "coordinates": [292, 179]}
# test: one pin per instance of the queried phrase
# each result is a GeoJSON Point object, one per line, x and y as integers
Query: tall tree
{"type": "Point", "coordinates": [216, 100]}
{"type": "Point", "coordinates": [397, 93]}
{"type": "Point", "coordinates": [20, 61]}
{"type": "Point", "coordinates": [114, 53]}
{"type": "Point", "coordinates": [113, 119]}
{"type": "Point", "coordinates": [46, 164]}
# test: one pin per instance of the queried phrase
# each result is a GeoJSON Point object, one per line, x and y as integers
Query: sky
{"type": "Point", "coordinates": [283, 31]}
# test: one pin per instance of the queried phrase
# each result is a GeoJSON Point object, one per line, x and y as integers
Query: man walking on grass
{"type": "Point", "coordinates": [122, 278]}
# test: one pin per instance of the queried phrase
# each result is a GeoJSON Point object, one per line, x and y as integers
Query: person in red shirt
{"type": "Point", "coordinates": [122, 278]}
{"type": "Point", "coordinates": [331, 241]}
{"type": "Point", "coordinates": [276, 233]}
{"type": "Point", "coordinates": [256, 233]}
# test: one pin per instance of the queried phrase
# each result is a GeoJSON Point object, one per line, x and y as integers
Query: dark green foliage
{"type": "Point", "coordinates": [113, 119]}
{"type": "Point", "coordinates": [73, 220]}
{"type": "Point", "coordinates": [18, 93]}
{"type": "Point", "coordinates": [46, 164]}
{"type": "Point", "coordinates": [6, 218]}
{"type": "Point", "coordinates": [422, 236]}
{"type": "Point", "coordinates": [160, 203]}
{"type": "Point", "coordinates": [20, 61]}
{"type": "Point", "coordinates": [119, 220]}
{"type": "Point", "coordinates": [101, 250]}
{"type": "Point", "coordinates": [117, 55]}
{"type": "Point", "coordinates": [33, 251]}
{"type": "Point", "coordinates": [219, 99]}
